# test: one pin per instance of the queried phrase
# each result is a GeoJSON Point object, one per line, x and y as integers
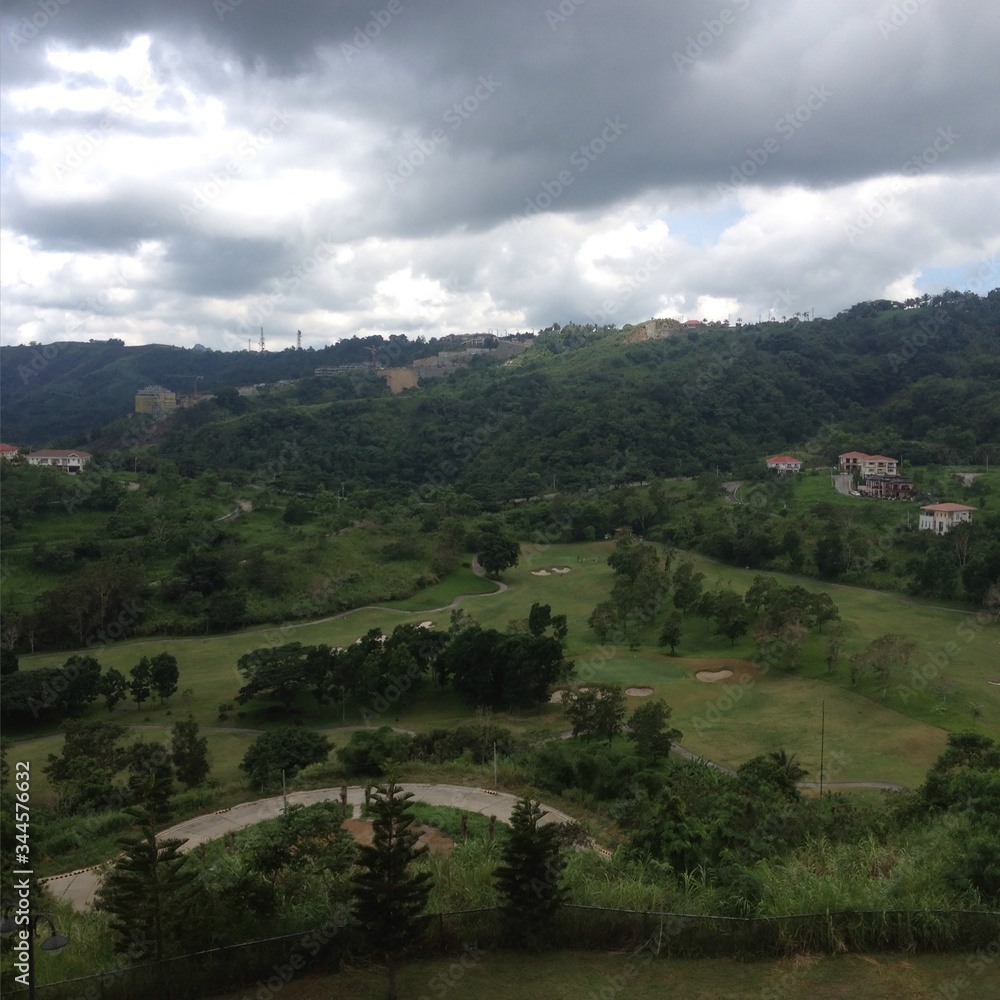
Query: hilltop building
{"type": "Point", "coordinates": [942, 517]}
{"type": "Point", "coordinates": [857, 462]}
{"type": "Point", "coordinates": [9, 451]}
{"type": "Point", "coordinates": [69, 461]}
{"type": "Point", "coordinates": [784, 463]}
{"type": "Point", "coordinates": [155, 399]}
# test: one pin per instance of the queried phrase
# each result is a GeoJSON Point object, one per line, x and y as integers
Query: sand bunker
{"type": "Point", "coordinates": [711, 676]}
{"type": "Point", "coordinates": [426, 625]}
{"type": "Point", "coordinates": [639, 692]}
{"type": "Point", "coordinates": [361, 830]}
{"type": "Point", "coordinates": [556, 697]}
{"type": "Point", "coordinates": [561, 569]}
{"type": "Point", "coordinates": [540, 572]}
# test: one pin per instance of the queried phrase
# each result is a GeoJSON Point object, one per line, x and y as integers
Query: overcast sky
{"type": "Point", "coordinates": [187, 171]}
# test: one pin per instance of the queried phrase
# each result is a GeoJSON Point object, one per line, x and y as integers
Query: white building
{"type": "Point", "coordinates": [68, 461]}
{"type": "Point", "coordinates": [941, 517]}
{"type": "Point", "coordinates": [784, 463]}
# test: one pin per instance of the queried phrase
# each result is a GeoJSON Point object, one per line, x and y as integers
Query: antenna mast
{"type": "Point", "coordinates": [262, 340]}
{"type": "Point", "coordinates": [298, 340]}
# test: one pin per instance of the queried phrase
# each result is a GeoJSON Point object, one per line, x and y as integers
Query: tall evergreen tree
{"type": "Point", "coordinates": [150, 893]}
{"type": "Point", "coordinates": [389, 896]}
{"type": "Point", "coordinates": [189, 752]}
{"type": "Point", "coordinates": [529, 874]}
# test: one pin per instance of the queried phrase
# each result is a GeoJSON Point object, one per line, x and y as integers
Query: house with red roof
{"type": "Point", "coordinates": [784, 463]}
{"type": "Point", "coordinates": [69, 461]}
{"type": "Point", "coordinates": [9, 451]}
{"type": "Point", "coordinates": [858, 463]}
{"type": "Point", "coordinates": [942, 517]}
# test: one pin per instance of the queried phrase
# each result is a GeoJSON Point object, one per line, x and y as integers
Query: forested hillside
{"type": "Point", "coordinates": [583, 408]}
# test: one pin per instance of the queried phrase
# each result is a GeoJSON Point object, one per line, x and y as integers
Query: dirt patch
{"type": "Point", "coordinates": [639, 692]}
{"type": "Point", "coordinates": [711, 676]}
{"type": "Point", "coordinates": [361, 831]}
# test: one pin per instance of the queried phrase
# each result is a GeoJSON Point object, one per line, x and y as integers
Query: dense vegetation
{"type": "Point", "coordinates": [318, 497]}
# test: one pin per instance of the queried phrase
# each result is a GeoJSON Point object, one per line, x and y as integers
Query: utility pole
{"type": "Point", "coordinates": [822, 742]}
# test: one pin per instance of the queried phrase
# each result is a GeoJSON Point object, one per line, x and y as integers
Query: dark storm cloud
{"type": "Point", "coordinates": [454, 130]}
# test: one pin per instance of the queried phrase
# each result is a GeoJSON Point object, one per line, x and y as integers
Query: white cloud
{"type": "Point", "coordinates": [168, 176]}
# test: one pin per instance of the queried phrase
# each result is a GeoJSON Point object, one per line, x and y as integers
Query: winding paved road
{"type": "Point", "coordinates": [78, 888]}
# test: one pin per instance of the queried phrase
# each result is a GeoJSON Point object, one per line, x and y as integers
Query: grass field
{"type": "Point", "coordinates": [867, 738]}
{"type": "Point", "coordinates": [566, 975]}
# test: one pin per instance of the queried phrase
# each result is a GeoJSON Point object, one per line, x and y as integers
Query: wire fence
{"type": "Point", "coordinates": [262, 968]}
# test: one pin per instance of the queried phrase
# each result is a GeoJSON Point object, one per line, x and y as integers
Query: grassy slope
{"type": "Point", "coordinates": [564, 975]}
{"type": "Point", "coordinates": [729, 722]}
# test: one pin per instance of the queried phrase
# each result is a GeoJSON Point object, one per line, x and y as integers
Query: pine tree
{"type": "Point", "coordinates": [189, 752]}
{"type": "Point", "coordinates": [150, 894]}
{"type": "Point", "coordinates": [529, 873]}
{"type": "Point", "coordinates": [389, 897]}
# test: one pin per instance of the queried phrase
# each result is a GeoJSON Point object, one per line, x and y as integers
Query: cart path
{"type": "Point", "coordinates": [78, 888]}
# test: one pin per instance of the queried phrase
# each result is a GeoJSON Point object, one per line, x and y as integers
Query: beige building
{"type": "Point", "coordinates": [868, 465]}
{"type": "Point", "coordinates": [942, 517]}
{"type": "Point", "coordinates": [155, 399]}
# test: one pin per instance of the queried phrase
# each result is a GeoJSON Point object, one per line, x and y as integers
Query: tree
{"type": "Point", "coordinates": [287, 749]}
{"type": "Point", "coordinates": [189, 752]}
{"type": "Point", "coordinates": [603, 620]}
{"type": "Point", "coordinates": [888, 655]}
{"type": "Point", "coordinates": [281, 671]}
{"type": "Point", "coordinates": [647, 729]}
{"type": "Point", "coordinates": [834, 643]}
{"type": "Point", "coordinates": [670, 634]}
{"type": "Point", "coordinates": [688, 584]}
{"type": "Point", "coordinates": [540, 618]}
{"type": "Point", "coordinates": [150, 778]}
{"type": "Point", "coordinates": [369, 750]}
{"type": "Point", "coordinates": [730, 613]}
{"type": "Point", "coordinates": [776, 772]}
{"type": "Point", "coordinates": [84, 773]}
{"type": "Point", "coordinates": [389, 896]}
{"type": "Point", "coordinates": [498, 551]}
{"type": "Point", "coordinates": [529, 873]}
{"type": "Point", "coordinates": [150, 893]}
{"type": "Point", "coordinates": [596, 713]}
{"type": "Point", "coordinates": [114, 687]}
{"type": "Point", "coordinates": [163, 675]}
{"type": "Point", "coordinates": [824, 610]}
{"type": "Point", "coordinates": [8, 661]}
{"type": "Point", "coordinates": [141, 685]}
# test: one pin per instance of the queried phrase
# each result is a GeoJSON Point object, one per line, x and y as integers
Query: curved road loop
{"type": "Point", "coordinates": [78, 888]}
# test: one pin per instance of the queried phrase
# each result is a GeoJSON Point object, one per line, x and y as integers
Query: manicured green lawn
{"type": "Point", "coordinates": [578, 975]}
{"type": "Point", "coordinates": [867, 737]}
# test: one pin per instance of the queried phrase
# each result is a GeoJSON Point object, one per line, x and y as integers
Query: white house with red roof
{"type": "Point", "coordinates": [868, 465]}
{"type": "Point", "coordinates": [9, 451]}
{"type": "Point", "coordinates": [69, 461]}
{"type": "Point", "coordinates": [942, 517]}
{"type": "Point", "coordinates": [783, 464]}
